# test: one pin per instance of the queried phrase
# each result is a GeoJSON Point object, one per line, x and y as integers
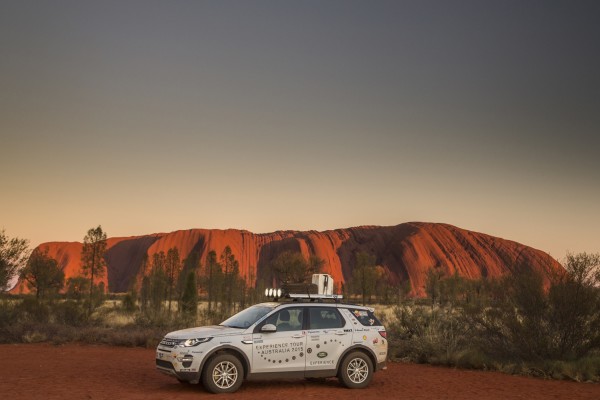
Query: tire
{"type": "Point", "coordinates": [356, 370]}
{"type": "Point", "coordinates": [223, 373]}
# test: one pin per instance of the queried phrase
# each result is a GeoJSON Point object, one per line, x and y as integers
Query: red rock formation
{"type": "Point", "coordinates": [405, 252]}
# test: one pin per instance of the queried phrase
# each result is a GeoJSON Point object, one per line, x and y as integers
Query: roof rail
{"type": "Point", "coordinates": [319, 298]}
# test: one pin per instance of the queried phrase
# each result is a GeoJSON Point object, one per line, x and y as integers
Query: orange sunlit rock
{"type": "Point", "coordinates": [404, 252]}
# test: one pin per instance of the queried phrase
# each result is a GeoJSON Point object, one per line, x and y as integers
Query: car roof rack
{"type": "Point", "coordinates": [319, 290]}
{"type": "Point", "coordinates": [318, 298]}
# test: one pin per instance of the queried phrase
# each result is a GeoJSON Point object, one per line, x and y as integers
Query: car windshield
{"type": "Point", "coordinates": [247, 317]}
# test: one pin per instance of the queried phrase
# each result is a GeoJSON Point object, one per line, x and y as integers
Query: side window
{"type": "Point", "coordinates": [325, 318]}
{"type": "Point", "coordinates": [365, 317]}
{"type": "Point", "coordinates": [288, 319]}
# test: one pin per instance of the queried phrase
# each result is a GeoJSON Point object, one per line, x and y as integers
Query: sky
{"type": "Point", "coordinates": [155, 116]}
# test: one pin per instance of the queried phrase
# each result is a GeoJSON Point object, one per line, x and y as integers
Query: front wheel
{"type": "Point", "coordinates": [223, 373]}
{"type": "Point", "coordinates": [356, 370]}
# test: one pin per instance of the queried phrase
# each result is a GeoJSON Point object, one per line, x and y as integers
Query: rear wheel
{"type": "Point", "coordinates": [223, 373]}
{"type": "Point", "coordinates": [356, 370]}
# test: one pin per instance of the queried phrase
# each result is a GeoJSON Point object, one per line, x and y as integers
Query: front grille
{"type": "Point", "coordinates": [170, 342]}
{"type": "Point", "coordinates": [164, 364]}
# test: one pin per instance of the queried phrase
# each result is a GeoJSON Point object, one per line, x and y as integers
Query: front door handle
{"type": "Point", "coordinates": [340, 333]}
{"type": "Point", "coordinates": [297, 336]}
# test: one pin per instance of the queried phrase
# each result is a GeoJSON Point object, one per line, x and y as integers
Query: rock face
{"type": "Point", "coordinates": [405, 252]}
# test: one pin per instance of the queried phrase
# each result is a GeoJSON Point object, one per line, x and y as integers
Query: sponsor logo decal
{"type": "Point", "coordinates": [321, 362]}
{"type": "Point", "coordinates": [321, 354]}
{"type": "Point", "coordinates": [364, 337]}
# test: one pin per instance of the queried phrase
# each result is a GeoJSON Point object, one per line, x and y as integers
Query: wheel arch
{"type": "Point", "coordinates": [226, 349]}
{"type": "Point", "coordinates": [363, 349]}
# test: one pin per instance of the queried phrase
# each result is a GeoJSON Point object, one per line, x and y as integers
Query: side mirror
{"type": "Point", "coordinates": [268, 328]}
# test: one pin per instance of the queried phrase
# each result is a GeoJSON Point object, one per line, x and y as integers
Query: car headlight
{"type": "Point", "coordinates": [196, 341]}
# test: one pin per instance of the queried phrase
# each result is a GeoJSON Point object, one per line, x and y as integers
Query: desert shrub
{"type": "Point", "coordinates": [128, 303]}
{"type": "Point", "coordinates": [423, 335]}
{"type": "Point", "coordinates": [70, 312]}
{"type": "Point", "coordinates": [31, 309]}
{"type": "Point", "coordinates": [34, 337]}
{"type": "Point", "coordinates": [212, 317]}
{"type": "Point", "coordinates": [532, 324]}
{"type": "Point", "coordinates": [9, 313]}
{"type": "Point", "coordinates": [9, 319]}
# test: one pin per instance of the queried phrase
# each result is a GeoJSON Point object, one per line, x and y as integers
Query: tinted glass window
{"type": "Point", "coordinates": [325, 318]}
{"type": "Point", "coordinates": [247, 317]}
{"type": "Point", "coordinates": [288, 319]}
{"type": "Point", "coordinates": [365, 317]}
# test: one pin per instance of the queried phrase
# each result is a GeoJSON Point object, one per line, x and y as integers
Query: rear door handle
{"type": "Point", "coordinates": [340, 333]}
{"type": "Point", "coordinates": [297, 336]}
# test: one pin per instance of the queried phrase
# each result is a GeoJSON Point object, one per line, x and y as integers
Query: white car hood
{"type": "Point", "coordinates": [204, 331]}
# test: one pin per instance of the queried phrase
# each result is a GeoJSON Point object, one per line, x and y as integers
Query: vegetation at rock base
{"type": "Point", "coordinates": [514, 324]}
{"type": "Point", "coordinates": [292, 267]}
{"type": "Point", "coordinates": [42, 274]}
{"type": "Point", "coordinates": [93, 264]}
{"type": "Point", "coordinates": [13, 253]}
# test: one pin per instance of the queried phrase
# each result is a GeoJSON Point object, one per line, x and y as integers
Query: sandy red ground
{"type": "Point", "coordinates": [100, 372]}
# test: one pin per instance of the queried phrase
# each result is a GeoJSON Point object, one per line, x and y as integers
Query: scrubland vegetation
{"type": "Point", "coordinates": [518, 324]}
{"type": "Point", "coordinates": [513, 324]}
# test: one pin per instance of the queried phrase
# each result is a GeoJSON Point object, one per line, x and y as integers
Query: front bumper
{"type": "Point", "coordinates": [180, 364]}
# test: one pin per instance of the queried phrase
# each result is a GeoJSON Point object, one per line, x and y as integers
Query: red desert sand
{"type": "Point", "coordinates": [43, 371]}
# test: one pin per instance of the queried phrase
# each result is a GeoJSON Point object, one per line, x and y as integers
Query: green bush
{"type": "Point", "coordinates": [70, 312]}
{"type": "Point", "coordinates": [423, 335]}
{"type": "Point", "coordinates": [128, 303]}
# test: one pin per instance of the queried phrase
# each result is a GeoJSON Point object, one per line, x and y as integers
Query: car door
{"type": "Point", "coordinates": [282, 350]}
{"type": "Point", "coordinates": [328, 337]}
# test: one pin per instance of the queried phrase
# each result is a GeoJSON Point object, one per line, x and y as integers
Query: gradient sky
{"type": "Point", "coordinates": [153, 116]}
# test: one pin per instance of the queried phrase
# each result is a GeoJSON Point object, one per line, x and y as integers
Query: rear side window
{"type": "Point", "coordinates": [325, 318]}
{"type": "Point", "coordinates": [365, 317]}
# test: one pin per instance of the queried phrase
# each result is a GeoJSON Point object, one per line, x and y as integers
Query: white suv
{"type": "Point", "coordinates": [299, 339]}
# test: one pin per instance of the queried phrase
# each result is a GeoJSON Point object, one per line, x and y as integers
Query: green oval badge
{"type": "Point", "coordinates": [322, 354]}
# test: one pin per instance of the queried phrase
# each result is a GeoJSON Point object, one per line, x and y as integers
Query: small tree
{"type": "Point", "coordinates": [92, 258]}
{"type": "Point", "coordinates": [189, 298]}
{"type": "Point", "coordinates": [231, 273]}
{"type": "Point", "coordinates": [42, 273]}
{"type": "Point", "coordinates": [315, 265]}
{"type": "Point", "coordinates": [158, 286]}
{"type": "Point", "coordinates": [214, 278]}
{"type": "Point", "coordinates": [292, 267]}
{"type": "Point", "coordinates": [145, 294]}
{"type": "Point", "coordinates": [452, 289]}
{"type": "Point", "coordinates": [574, 301]}
{"type": "Point", "coordinates": [433, 280]}
{"type": "Point", "coordinates": [365, 275]}
{"type": "Point", "coordinates": [143, 271]}
{"type": "Point", "coordinates": [13, 254]}
{"type": "Point", "coordinates": [77, 287]}
{"type": "Point", "coordinates": [172, 269]}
